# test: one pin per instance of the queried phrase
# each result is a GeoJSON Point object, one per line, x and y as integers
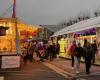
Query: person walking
{"type": "Point", "coordinates": [88, 56]}
{"type": "Point", "coordinates": [71, 52]}
{"type": "Point", "coordinates": [38, 55]}
{"type": "Point", "coordinates": [54, 49]}
{"type": "Point", "coordinates": [25, 55]}
{"type": "Point", "coordinates": [31, 50]}
{"type": "Point", "coordinates": [94, 46]}
{"type": "Point", "coordinates": [57, 50]}
{"type": "Point", "coordinates": [78, 55]}
{"type": "Point", "coordinates": [51, 52]}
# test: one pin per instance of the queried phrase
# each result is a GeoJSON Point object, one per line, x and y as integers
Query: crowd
{"type": "Point", "coordinates": [87, 52]}
{"type": "Point", "coordinates": [38, 51]}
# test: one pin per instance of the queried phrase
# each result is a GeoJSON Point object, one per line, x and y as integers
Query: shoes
{"type": "Point", "coordinates": [87, 72]}
{"type": "Point", "coordinates": [77, 72]}
{"type": "Point", "coordinates": [72, 68]}
{"type": "Point", "coordinates": [93, 62]}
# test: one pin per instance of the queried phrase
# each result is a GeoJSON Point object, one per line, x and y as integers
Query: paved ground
{"type": "Point", "coordinates": [65, 65]}
{"type": "Point", "coordinates": [54, 70]}
{"type": "Point", "coordinates": [32, 71]}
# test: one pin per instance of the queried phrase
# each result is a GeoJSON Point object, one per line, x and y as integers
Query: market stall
{"type": "Point", "coordinates": [87, 29]}
{"type": "Point", "coordinates": [25, 31]}
{"type": "Point", "coordinates": [8, 61]}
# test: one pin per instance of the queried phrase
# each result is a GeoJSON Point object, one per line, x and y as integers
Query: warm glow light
{"type": "Point", "coordinates": [0, 24]}
{"type": "Point", "coordinates": [9, 39]}
{"type": "Point", "coordinates": [10, 31]}
{"type": "Point", "coordinates": [7, 32]}
{"type": "Point", "coordinates": [9, 24]}
{"type": "Point", "coordinates": [4, 24]}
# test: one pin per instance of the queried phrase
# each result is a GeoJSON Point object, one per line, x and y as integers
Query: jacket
{"type": "Point", "coordinates": [72, 49]}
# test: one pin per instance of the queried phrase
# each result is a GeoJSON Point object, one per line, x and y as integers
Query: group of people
{"type": "Point", "coordinates": [39, 51]}
{"type": "Point", "coordinates": [52, 51]}
{"type": "Point", "coordinates": [88, 52]}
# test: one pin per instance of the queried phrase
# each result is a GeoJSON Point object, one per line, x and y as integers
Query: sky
{"type": "Point", "coordinates": [49, 12]}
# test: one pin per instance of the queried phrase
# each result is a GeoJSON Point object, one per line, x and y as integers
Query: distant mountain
{"type": "Point", "coordinates": [53, 28]}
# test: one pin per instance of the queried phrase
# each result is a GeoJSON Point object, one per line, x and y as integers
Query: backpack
{"type": "Point", "coordinates": [78, 51]}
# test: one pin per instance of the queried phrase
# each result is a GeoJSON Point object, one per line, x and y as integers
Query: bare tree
{"type": "Point", "coordinates": [97, 12]}
{"type": "Point", "coordinates": [73, 20]}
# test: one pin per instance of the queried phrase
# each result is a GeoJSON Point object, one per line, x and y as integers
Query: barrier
{"type": "Point", "coordinates": [10, 62]}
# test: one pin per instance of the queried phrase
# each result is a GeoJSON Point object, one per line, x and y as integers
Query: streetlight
{"type": "Point", "coordinates": [17, 37]}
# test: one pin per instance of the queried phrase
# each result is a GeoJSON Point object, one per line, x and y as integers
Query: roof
{"type": "Point", "coordinates": [82, 25]}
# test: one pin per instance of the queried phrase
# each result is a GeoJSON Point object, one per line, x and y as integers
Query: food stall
{"type": "Point", "coordinates": [8, 61]}
{"type": "Point", "coordinates": [9, 58]}
{"type": "Point", "coordinates": [25, 31]}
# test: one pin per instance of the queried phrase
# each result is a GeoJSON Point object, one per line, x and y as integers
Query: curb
{"type": "Point", "coordinates": [60, 71]}
{"type": "Point", "coordinates": [81, 61]}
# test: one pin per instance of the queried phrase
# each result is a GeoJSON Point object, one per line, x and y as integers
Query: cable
{"type": "Point", "coordinates": [6, 10]}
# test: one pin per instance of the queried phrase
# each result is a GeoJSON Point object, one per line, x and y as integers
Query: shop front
{"type": "Point", "coordinates": [62, 43]}
{"type": "Point", "coordinates": [65, 42]}
{"type": "Point", "coordinates": [89, 35]}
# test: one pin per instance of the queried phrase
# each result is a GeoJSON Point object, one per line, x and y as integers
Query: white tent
{"type": "Point", "coordinates": [82, 25]}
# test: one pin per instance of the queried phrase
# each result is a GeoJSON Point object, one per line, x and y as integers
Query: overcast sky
{"type": "Point", "coordinates": [49, 11]}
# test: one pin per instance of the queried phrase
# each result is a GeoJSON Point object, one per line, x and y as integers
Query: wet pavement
{"type": "Point", "coordinates": [58, 69]}
{"type": "Point", "coordinates": [32, 71]}
{"type": "Point", "coordinates": [66, 66]}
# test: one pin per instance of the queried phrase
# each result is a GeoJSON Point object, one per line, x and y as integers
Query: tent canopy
{"type": "Point", "coordinates": [82, 25]}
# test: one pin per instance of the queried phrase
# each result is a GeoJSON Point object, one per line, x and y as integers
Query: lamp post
{"type": "Point", "coordinates": [10, 39]}
{"type": "Point", "coordinates": [17, 37]}
{"type": "Point", "coordinates": [16, 29]}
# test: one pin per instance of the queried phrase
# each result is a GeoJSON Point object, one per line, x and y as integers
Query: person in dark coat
{"type": "Point", "coordinates": [94, 46]}
{"type": "Point", "coordinates": [85, 42]}
{"type": "Point", "coordinates": [25, 55]}
{"type": "Point", "coordinates": [54, 50]}
{"type": "Point", "coordinates": [88, 56]}
{"type": "Point", "coordinates": [51, 52]}
{"type": "Point", "coordinates": [57, 50]}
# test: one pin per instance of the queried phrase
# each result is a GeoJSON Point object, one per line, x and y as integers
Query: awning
{"type": "Point", "coordinates": [82, 25]}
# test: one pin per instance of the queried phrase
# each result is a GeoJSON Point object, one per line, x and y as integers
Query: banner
{"type": "Point", "coordinates": [10, 62]}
